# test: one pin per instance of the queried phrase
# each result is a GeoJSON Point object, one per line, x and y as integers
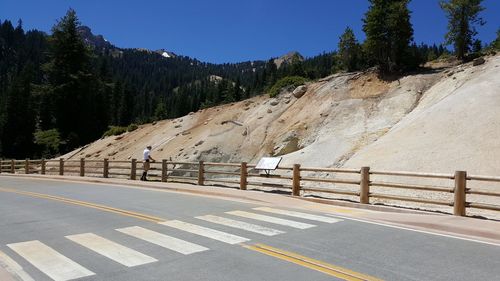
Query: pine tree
{"type": "Point", "coordinates": [496, 44]}
{"type": "Point", "coordinates": [349, 50]}
{"type": "Point", "coordinates": [160, 111]}
{"type": "Point", "coordinates": [388, 34]}
{"type": "Point", "coordinates": [477, 46]}
{"type": "Point", "coordinates": [463, 16]}
{"type": "Point", "coordinates": [20, 117]}
{"type": "Point", "coordinates": [237, 90]}
{"type": "Point", "coordinates": [78, 94]}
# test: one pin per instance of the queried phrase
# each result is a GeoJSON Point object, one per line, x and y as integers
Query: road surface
{"type": "Point", "coordinates": [61, 230]}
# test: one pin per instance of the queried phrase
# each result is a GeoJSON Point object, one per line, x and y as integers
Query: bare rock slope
{"type": "Point", "coordinates": [455, 126]}
{"type": "Point", "coordinates": [443, 120]}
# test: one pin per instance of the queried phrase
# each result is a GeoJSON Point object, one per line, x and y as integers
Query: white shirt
{"type": "Point", "coordinates": [146, 154]}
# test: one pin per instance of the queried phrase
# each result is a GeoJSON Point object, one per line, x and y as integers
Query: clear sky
{"type": "Point", "coordinates": [232, 30]}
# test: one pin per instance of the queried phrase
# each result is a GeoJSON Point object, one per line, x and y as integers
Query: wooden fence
{"type": "Point", "coordinates": [359, 185]}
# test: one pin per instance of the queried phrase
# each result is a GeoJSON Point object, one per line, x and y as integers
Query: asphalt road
{"type": "Point", "coordinates": [58, 230]}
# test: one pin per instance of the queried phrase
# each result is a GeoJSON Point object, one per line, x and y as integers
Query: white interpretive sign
{"type": "Point", "coordinates": [268, 163]}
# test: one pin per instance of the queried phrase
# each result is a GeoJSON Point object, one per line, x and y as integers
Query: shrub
{"type": "Point", "coordinates": [49, 141]}
{"type": "Point", "coordinates": [118, 130]}
{"type": "Point", "coordinates": [114, 131]}
{"type": "Point", "coordinates": [294, 81]}
{"type": "Point", "coordinates": [132, 127]}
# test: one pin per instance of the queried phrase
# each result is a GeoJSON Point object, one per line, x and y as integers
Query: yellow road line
{"type": "Point", "coordinates": [86, 204]}
{"type": "Point", "coordinates": [310, 263]}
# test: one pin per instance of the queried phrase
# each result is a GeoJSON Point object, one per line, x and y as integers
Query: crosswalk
{"type": "Point", "coordinates": [111, 250]}
{"type": "Point", "coordinates": [59, 267]}
{"type": "Point", "coordinates": [49, 261]}
{"type": "Point", "coordinates": [285, 222]}
{"type": "Point", "coordinates": [241, 225]}
{"type": "Point", "coordinates": [163, 240]}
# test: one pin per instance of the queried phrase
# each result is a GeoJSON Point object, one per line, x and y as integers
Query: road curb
{"type": "Point", "coordinates": [379, 208]}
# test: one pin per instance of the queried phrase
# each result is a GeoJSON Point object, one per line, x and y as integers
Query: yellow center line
{"type": "Point", "coordinates": [310, 263]}
{"type": "Point", "coordinates": [86, 204]}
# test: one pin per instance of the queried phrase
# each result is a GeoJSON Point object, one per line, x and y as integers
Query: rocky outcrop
{"type": "Point", "coordinates": [478, 61]}
{"type": "Point", "coordinates": [95, 41]}
{"type": "Point", "coordinates": [288, 59]}
{"type": "Point", "coordinates": [299, 91]}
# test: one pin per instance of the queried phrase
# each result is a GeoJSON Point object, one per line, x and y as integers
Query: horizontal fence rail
{"type": "Point", "coordinates": [360, 185]}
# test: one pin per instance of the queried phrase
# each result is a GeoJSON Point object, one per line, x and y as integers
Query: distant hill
{"type": "Point", "coordinates": [288, 59]}
{"type": "Point", "coordinates": [161, 76]}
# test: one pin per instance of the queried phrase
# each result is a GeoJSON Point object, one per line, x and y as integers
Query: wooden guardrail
{"type": "Point", "coordinates": [359, 185]}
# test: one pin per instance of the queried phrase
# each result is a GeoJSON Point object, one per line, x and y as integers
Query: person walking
{"type": "Point", "coordinates": [146, 162]}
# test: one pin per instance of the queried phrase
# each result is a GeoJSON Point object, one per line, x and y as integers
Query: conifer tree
{"type": "Point", "coordinates": [463, 17]}
{"type": "Point", "coordinates": [20, 116]}
{"type": "Point", "coordinates": [237, 90]}
{"type": "Point", "coordinates": [349, 50]}
{"type": "Point", "coordinates": [496, 44]}
{"type": "Point", "coordinates": [388, 34]}
{"type": "Point", "coordinates": [76, 91]}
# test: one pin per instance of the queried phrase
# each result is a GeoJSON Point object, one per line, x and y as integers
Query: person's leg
{"type": "Point", "coordinates": [146, 169]}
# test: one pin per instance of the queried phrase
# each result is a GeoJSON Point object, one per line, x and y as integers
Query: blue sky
{"type": "Point", "coordinates": [232, 30]}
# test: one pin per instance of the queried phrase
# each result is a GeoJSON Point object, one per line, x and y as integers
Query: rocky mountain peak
{"type": "Point", "coordinates": [96, 41]}
{"type": "Point", "coordinates": [288, 58]}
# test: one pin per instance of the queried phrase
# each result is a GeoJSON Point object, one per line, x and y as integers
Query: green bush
{"type": "Point", "coordinates": [294, 81]}
{"type": "Point", "coordinates": [49, 141]}
{"type": "Point", "coordinates": [114, 131]}
{"type": "Point", "coordinates": [118, 130]}
{"type": "Point", "coordinates": [132, 127]}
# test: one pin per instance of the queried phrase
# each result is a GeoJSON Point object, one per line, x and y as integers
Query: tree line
{"type": "Point", "coordinates": [58, 93]}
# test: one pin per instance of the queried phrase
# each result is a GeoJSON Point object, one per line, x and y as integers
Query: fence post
{"type": "Point", "coordinates": [12, 166]}
{"type": "Point", "coordinates": [43, 167]}
{"type": "Point", "coordinates": [82, 167]}
{"type": "Point", "coordinates": [460, 186]}
{"type": "Point", "coordinates": [243, 176]}
{"type": "Point", "coordinates": [296, 180]}
{"type": "Point", "coordinates": [164, 170]}
{"type": "Point", "coordinates": [364, 186]}
{"type": "Point", "coordinates": [201, 173]}
{"type": "Point", "coordinates": [133, 169]}
{"type": "Point", "coordinates": [27, 166]}
{"type": "Point", "coordinates": [1, 165]}
{"type": "Point", "coordinates": [61, 166]}
{"type": "Point", "coordinates": [105, 168]}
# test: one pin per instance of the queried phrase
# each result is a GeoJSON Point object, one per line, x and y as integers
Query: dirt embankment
{"type": "Point", "coordinates": [436, 121]}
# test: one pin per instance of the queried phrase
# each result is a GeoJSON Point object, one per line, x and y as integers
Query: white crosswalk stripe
{"type": "Point", "coordinates": [270, 219]}
{"type": "Point", "coordinates": [111, 250]}
{"type": "Point", "coordinates": [49, 261]}
{"type": "Point", "coordinates": [13, 268]}
{"type": "Point", "coordinates": [298, 215]}
{"type": "Point", "coordinates": [165, 241]}
{"type": "Point", "coordinates": [206, 232]}
{"type": "Point", "coordinates": [241, 225]}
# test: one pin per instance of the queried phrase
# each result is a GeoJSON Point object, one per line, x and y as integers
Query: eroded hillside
{"type": "Point", "coordinates": [440, 120]}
